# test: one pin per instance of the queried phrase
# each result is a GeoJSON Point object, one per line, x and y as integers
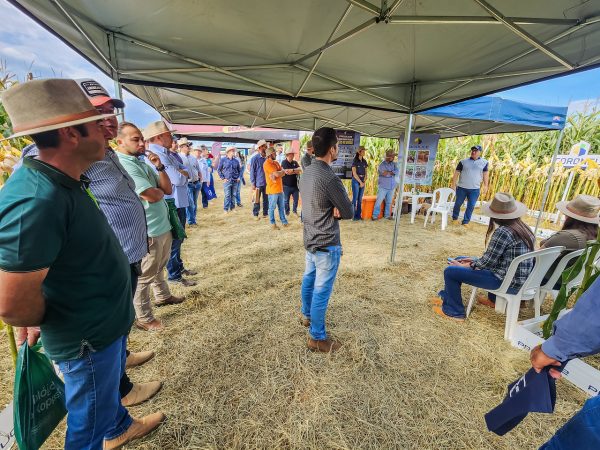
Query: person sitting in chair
{"type": "Point", "coordinates": [510, 238]}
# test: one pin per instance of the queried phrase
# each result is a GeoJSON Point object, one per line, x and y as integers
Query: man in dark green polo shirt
{"type": "Point", "coordinates": [61, 265]}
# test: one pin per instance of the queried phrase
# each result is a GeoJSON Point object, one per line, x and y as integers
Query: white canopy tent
{"type": "Point", "coordinates": [303, 64]}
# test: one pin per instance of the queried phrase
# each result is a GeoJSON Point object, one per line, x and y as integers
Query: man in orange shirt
{"type": "Point", "coordinates": [273, 175]}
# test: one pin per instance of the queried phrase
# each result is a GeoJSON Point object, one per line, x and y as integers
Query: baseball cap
{"type": "Point", "coordinates": [261, 143]}
{"type": "Point", "coordinates": [96, 93]}
{"type": "Point", "coordinates": [476, 147]}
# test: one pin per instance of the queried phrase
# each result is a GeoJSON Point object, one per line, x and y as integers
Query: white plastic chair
{"type": "Point", "coordinates": [548, 287]}
{"type": "Point", "coordinates": [543, 260]}
{"type": "Point", "coordinates": [443, 201]}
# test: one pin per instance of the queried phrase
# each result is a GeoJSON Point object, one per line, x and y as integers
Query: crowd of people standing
{"type": "Point", "coordinates": [87, 233]}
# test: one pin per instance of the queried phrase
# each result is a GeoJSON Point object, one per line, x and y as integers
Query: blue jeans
{"type": "Point", "coordinates": [357, 195]}
{"type": "Point", "coordinates": [92, 395]}
{"type": "Point", "coordinates": [581, 431]}
{"type": "Point", "coordinates": [317, 284]}
{"type": "Point", "coordinates": [193, 192]}
{"type": "Point", "coordinates": [229, 188]}
{"type": "Point", "coordinates": [276, 200]}
{"type": "Point", "coordinates": [175, 263]}
{"type": "Point", "coordinates": [238, 192]}
{"type": "Point", "coordinates": [294, 192]}
{"type": "Point", "coordinates": [204, 196]}
{"type": "Point", "coordinates": [454, 277]}
{"type": "Point", "coordinates": [388, 195]}
{"type": "Point", "coordinates": [461, 194]}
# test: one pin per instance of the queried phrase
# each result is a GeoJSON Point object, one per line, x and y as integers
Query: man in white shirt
{"type": "Point", "coordinates": [194, 185]}
{"type": "Point", "coordinates": [201, 154]}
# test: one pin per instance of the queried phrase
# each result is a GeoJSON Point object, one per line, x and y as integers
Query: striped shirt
{"type": "Point", "coordinates": [115, 192]}
{"type": "Point", "coordinates": [321, 191]}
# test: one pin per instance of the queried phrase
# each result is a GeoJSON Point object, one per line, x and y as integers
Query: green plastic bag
{"type": "Point", "coordinates": [39, 399]}
{"type": "Point", "coordinates": [176, 229]}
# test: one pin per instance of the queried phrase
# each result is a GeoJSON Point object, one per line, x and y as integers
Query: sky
{"type": "Point", "coordinates": [27, 47]}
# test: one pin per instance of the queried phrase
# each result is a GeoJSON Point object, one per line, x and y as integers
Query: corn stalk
{"type": "Point", "coordinates": [12, 344]}
{"type": "Point", "coordinates": [591, 273]}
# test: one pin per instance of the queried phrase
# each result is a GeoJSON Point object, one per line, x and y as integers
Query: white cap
{"type": "Point", "coordinates": [261, 143]}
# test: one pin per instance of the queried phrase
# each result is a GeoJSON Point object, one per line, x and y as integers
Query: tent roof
{"type": "Point", "coordinates": [280, 57]}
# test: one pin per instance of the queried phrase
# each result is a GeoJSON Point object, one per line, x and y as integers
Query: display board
{"type": "Point", "coordinates": [421, 158]}
{"type": "Point", "coordinates": [348, 142]}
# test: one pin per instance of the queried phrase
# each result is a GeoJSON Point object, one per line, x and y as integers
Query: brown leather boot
{"type": "Point", "coordinates": [155, 325]}
{"type": "Point", "coordinates": [325, 346]}
{"type": "Point", "coordinates": [138, 358]}
{"type": "Point", "coordinates": [140, 393]}
{"type": "Point", "coordinates": [172, 300]}
{"type": "Point", "coordinates": [304, 321]}
{"type": "Point", "coordinates": [138, 428]}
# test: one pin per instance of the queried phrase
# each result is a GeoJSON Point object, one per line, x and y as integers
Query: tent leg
{"type": "Point", "coordinates": [402, 171]}
{"type": "Point", "coordinates": [548, 182]}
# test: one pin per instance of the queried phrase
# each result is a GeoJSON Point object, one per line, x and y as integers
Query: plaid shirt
{"type": "Point", "coordinates": [505, 246]}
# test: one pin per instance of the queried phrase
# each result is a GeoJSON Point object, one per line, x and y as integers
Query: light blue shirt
{"type": "Point", "coordinates": [387, 181]}
{"type": "Point", "coordinates": [204, 170]}
{"type": "Point", "coordinates": [191, 165]}
{"type": "Point", "coordinates": [471, 172]}
{"type": "Point", "coordinates": [577, 333]}
{"type": "Point", "coordinates": [172, 167]}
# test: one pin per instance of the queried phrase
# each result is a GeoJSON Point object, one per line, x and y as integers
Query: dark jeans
{"type": "Point", "coordinates": [175, 264]}
{"type": "Point", "coordinates": [357, 196]}
{"type": "Point", "coordinates": [261, 191]}
{"type": "Point", "coordinates": [461, 194]}
{"type": "Point", "coordinates": [204, 196]}
{"type": "Point", "coordinates": [294, 192]}
{"type": "Point", "coordinates": [125, 384]}
{"type": "Point", "coordinates": [193, 191]}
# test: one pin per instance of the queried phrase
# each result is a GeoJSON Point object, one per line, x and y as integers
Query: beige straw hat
{"type": "Point", "coordinates": [44, 105]}
{"type": "Point", "coordinates": [156, 128]}
{"type": "Point", "coordinates": [183, 141]}
{"type": "Point", "coordinates": [583, 207]}
{"type": "Point", "coordinates": [504, 206]}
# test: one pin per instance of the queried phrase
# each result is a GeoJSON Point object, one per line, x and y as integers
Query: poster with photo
{"type": "Point", "coordinates": [348, 142]}
{"type": "Point", "coordinates": [422, 150]}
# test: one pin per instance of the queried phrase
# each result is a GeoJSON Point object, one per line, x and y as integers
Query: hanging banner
{"type": "Point", "coordinates": [348, 142]}
{"type": "Point", "coordinates": [421, 158]}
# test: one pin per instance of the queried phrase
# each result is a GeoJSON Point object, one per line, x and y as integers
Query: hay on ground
{"type": "Point", "coordinates": [238, 375]}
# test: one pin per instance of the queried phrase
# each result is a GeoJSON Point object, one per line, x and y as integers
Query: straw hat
{"type": "Point", "coordinates": [183, 141]}
{"type": "Point", "coordinates": [504, 206]}
{"type": "Point", "coordinates": [44, 105]}
{"type": "Point", "coordinates": [154, 129]}
{"type": "Point", "coordinates": [261, 143]}
{"type": "Point", "coordinates": [231, 148]}
{"type": "Point", "coordinates": [583, 207]}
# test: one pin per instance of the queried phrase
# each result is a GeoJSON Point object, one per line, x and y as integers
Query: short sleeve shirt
{"type": "Point", "coordinates": [290, 180]}
{"type": "Point", "coordinates": [361, 168]}
{"type": "Point", "coordinates": [471, 172]}
{"type": "Point", "coordinates": [157, 213]}
{"type": "Point", "coordinates": [273, 186]}
{"type": "Point", "coordinates": [49, 220]}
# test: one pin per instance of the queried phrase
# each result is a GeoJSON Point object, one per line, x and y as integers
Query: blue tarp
{"type": "Point", "coordinates": [499, 110]}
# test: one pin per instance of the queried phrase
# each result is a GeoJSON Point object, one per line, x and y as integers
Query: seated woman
{"type": "Point", "coordinates": [581, 225]}
{"type": "Point", "coordinates": [510, 237]}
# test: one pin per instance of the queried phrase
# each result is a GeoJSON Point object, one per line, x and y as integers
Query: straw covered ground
{"type": "Point", "coordinates": [238, 375]}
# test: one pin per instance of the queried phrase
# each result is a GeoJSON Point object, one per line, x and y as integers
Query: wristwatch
{"type": "Point", "coordinates": [161, 168]}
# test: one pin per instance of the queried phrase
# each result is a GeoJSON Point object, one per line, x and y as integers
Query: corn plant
{"type": "Point", "coordinates": [586, 263]}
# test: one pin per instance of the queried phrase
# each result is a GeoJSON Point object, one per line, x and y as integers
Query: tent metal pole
{"type": "Point", "coordinates": [566, 192]}
{"type": "Point", "coordinates": [548, 182]}
{"type": "Point", "coordinates": [115, 73]}
{"type": "Point", "coordinates": [402, 169]}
